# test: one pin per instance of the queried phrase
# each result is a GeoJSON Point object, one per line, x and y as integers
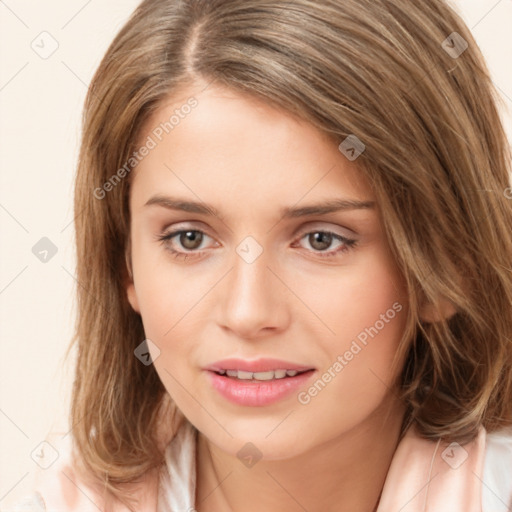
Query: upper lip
{"type": "Point", "coordinates": [257, 365]}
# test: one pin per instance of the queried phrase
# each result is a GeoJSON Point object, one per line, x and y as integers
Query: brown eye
{"type": "Point", "coordinates": [190, 240]}
{"type": "Point", "coordinates": [183, 243]}
{"type": "Point", "coordinates": [320, 240]}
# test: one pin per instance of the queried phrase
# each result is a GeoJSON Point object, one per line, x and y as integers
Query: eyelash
{"type": "Point", "coordinates": [166, 237]}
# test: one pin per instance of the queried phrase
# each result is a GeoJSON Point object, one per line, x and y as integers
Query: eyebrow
{"type": "Point", "coordinates": [289, 212]}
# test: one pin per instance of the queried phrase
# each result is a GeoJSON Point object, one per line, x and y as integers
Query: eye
{"type": "Point", "coordinates": [320, 240]}
{"type": "Point", "coordinates": [189, 239]}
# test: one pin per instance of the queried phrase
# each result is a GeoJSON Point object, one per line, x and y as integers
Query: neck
{"type": "Point", "coordinates": [346, 473]}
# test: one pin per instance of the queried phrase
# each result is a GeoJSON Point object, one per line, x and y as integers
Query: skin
{"type": "Point", "coordinates": [249, 160]}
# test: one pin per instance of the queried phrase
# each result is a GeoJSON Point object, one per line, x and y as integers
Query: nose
{"type": "Point", "coordinates": [253, 302]}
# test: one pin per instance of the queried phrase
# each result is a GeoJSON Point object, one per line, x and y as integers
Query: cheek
{"type": "Point", "coordinates": [356, 296]}
{"type": "Point", "coordinates": [363, 310]}
{"type": "Point", "coordinates": [165, 291]}
{"type": "Point", "coordinates": [174, 301]}
{"type": "Point", "coordinates": [358, 376]}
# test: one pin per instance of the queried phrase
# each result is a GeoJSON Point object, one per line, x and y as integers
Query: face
{"type": "Point", "coordinates": [263, 276]}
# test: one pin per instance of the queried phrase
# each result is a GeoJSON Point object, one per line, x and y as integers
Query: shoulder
{"type": "Point", "coordinates": [59, 488]}
{"type": "Point", "coordinates": [438, 475]}
{"type": "Point", "coordinates": [497, 476]}
{"type": "Point", "coordinates": [30, 503]}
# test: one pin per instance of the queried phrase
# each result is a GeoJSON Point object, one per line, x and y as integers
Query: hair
{"type": "Point", "coordinates": [436, 156]}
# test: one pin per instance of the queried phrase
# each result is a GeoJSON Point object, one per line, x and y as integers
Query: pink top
{"type": "Point", "coordinates": [425, 476]}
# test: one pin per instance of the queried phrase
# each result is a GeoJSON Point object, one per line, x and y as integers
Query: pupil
{"type": "Point", "coordinates": [324, 238]}
{"type": "Point", "coordinates": [189, 238]}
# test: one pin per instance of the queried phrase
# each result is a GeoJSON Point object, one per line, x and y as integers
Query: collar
{"type": "Point", "coordinates": [434, 476]}
{"type": "Point", "coordinates": [424, 475]}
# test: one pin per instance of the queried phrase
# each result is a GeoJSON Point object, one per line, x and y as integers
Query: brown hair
{"type": "Point", "coordinates": [435, 153]}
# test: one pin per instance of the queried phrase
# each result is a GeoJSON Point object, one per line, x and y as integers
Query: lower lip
{"type": "Point", "coordinates": [257, 393]}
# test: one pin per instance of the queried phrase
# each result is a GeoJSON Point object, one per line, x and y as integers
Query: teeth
{"type": "Point", "coordinates": [272, 374]}
{"type": "Point", "coordinates": [244, 375]}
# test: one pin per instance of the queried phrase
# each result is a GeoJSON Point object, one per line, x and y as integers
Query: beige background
{"type": "Point", "coordinates": [40, 102]}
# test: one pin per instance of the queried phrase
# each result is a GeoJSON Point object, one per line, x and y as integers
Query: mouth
{"type": "Point", "coordinates": [257, 382]}
{"type": "Point", "coordinates": [260, 376]}
{"type": "Point", "coordinates": [258, 389]}
{"type": "Point", "coordinates": [264, 368]}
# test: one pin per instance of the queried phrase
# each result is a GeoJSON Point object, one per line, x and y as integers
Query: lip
{"type": "Point", "coordinates": [257, 393]}
{"type": "Point", "coordinates": [256, 365]}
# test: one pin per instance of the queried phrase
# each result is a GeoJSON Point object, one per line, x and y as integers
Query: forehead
{"type": "Point", "coordinates": [216, 142]}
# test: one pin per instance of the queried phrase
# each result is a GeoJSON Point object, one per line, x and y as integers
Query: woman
{"type": "Point", "coordinates": [339, 336]}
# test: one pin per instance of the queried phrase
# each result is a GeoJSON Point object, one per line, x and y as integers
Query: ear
{"type": "Point", "coordinates": [429, 313]}
{"type": "Point", "coordinates": [129, 284]}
